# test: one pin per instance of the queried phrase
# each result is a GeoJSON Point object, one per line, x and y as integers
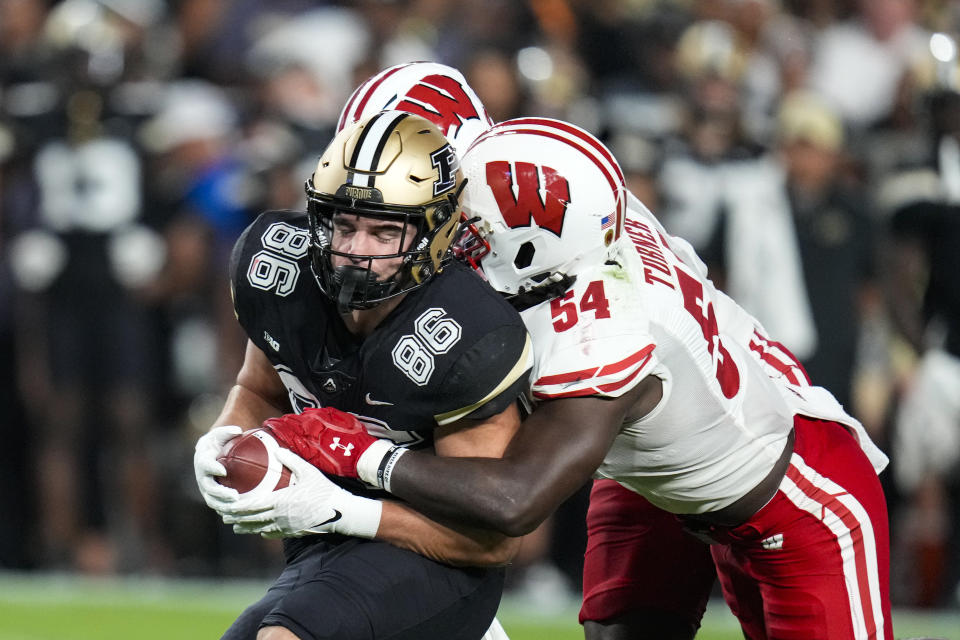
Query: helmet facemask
{"type": "Point", "coordinates": [473, 246]}
{"type": "Point", "coordinates": [423, 247]}
{"type": "Point", "coordinates": [388, 170]}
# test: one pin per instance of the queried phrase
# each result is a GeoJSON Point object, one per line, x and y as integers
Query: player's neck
{"type": "Point", "coordinates": [362, 322]}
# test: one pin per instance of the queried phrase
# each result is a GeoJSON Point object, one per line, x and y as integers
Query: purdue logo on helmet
{"type": "Point", "coordinates": [392, 165]}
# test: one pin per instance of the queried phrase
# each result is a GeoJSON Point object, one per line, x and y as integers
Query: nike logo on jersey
{"type": "Point", "coordinates": [371, 401]}
{"type": "Point", "coordinates": [336, 516]}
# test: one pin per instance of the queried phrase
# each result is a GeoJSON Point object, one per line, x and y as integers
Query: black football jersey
{"type": "Point", "coordinates": [451, 349]}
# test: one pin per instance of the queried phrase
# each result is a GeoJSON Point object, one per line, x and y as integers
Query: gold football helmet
{"type": "Point", "coordinates": [391, 165]}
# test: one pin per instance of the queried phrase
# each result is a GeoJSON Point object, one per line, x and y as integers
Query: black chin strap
{"type": "Point", "coordinates": [553, 287]}
{"type": "Point", "coordinates": [349, 278]}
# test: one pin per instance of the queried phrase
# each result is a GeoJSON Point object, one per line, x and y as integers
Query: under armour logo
{"type": "Point", "coordinates": [347, 448]}
{"type": "Point", "coordinates": [773, 542]}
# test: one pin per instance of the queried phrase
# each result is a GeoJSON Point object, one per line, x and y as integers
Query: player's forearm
{"type": "Point", "coordinates": [549, 458]}
{"type": "Point", "coordinates": [403, 527]}
{"type": "Point", "coordinates": [257, 395]}
{"type": "Point", "coordinates": [481, 492]}
{"type": "Point", "coordinates": [246, 408]}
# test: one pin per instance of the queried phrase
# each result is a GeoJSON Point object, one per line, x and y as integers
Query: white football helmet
{"type": "Point", "coordinates": [428, 89]}
{"type": "Point", "coordinates": [550, 199]}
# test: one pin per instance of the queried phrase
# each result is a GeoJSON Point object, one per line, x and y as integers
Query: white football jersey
{"type": "Point", "coordinates": [803, 397]}
{"type": "Point", "coordinates": [728, 392]}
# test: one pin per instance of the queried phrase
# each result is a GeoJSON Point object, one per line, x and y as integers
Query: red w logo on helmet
{"type": "Point", "coordinates": [548, 210]}
{"type": "Point", "coordinates": [441, 100]}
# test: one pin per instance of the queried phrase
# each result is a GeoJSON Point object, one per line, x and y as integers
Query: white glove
{"type": "Point", "coordinates": [310, 504]}
{"type": "Point", "coordinates": [207, 469]}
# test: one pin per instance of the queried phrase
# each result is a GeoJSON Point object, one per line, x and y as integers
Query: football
{"type": "Point", "coordinates": [250, 467]}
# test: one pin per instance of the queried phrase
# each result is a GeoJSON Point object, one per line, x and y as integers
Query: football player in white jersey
{"type": "Point", "coordinates": [646, 375]}
{"type": "Point", "coordinates": [678, 572]}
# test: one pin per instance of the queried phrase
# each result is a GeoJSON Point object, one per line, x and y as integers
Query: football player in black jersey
{"type": "Point", "coordinates": [355, 304]}
{"type": "Point", "coordinates": [580, 418]}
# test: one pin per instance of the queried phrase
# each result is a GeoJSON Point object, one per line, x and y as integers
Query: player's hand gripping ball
{"type": "Point", "coordinates": [330, 439]}
{"type": "Point", "coordinates": [251, 463]}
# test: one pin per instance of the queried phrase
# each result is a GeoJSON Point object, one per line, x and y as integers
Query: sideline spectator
{"type": "Point", "coordinates": [81, 254]}
{"type": "Point", "coordinates": [835, 238]}
{"type": "Point", "coordinates": [925, 303]}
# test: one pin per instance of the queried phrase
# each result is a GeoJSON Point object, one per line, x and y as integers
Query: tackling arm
{"type": "Point", "coordinates": [455, 543]}
{"type": "Point", "coordinates": [554, 452]}
{"type": "Point", "coordinates": [313, 504]}
{"type": "Point", "coordinates": [259, 394]}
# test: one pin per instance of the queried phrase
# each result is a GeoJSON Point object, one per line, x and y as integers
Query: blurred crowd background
{"type": "Point", "coordinates": [809, 149]}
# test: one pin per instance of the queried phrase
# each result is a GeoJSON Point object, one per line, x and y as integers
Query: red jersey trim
{"type": "Point", "coordinates": [644, 357]}
{"type": "Point", "coordinates": [576, 376]}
